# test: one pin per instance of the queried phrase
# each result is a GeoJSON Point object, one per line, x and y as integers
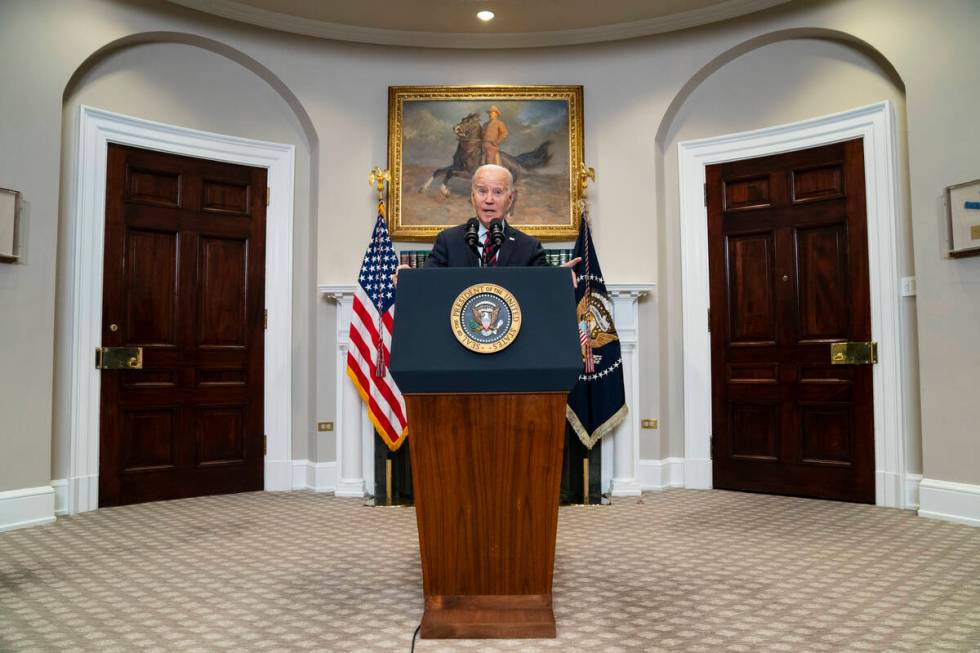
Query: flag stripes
{"type": "Point", "coordinates": [370, 335]}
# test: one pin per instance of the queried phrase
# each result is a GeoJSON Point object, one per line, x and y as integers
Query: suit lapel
{"type": "Point", "coordinates": [507, 247]}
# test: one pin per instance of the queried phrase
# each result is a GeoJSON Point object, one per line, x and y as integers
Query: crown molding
{"type": "Point", "coordinates": [240, 12]}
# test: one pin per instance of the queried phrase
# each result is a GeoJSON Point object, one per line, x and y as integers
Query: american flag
{"type": "Point", "coordinates": [370, 338]}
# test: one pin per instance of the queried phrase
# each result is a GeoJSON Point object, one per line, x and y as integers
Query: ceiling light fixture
{"type": "Point", "coordinates": [485, 15]}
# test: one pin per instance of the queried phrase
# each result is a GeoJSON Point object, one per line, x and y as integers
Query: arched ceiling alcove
{"type": "Point", "coordinates": [453, 23]}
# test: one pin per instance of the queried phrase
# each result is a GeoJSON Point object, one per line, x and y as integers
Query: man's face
{"type": "Point", "coordinates": [491, 196]}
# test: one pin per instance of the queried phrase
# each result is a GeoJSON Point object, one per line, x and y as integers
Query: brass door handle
{"type": "Point", "coordinates": [853, 353]}
{"type": "Point", "coordinates": [119, 358]}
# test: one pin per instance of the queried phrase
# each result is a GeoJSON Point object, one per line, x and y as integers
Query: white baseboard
{"type": "Point", "coordinates": [351, 488]}
{"type": "Point", "coordinates": [697, 473]}
{"type": "Point", "coordinates": [278, 475]}
{"type": "Point", "coordinates": [309, 475]}
{"type": "Point", "coordinates": [60, 487]}
{"type": "Point", "coordinates": [912, 482]}
{"type": "Point", "coordinates": [625, 487]}
{"type": "Point", "coordinates": [26, 507]}
{"type": "Point", "coordinates": [661, 474]}
{"type": "Point", "coordinates": [957, 502]}
{"type": "Point", "coordinates": [83, 494]}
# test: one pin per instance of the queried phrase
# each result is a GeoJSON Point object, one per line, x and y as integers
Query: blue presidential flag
{"type": "Point", "coordinates": [597, 403]}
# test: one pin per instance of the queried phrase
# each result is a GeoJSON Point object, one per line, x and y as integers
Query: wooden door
{"type": "Point", "coordinates": [788, 265]}
{"type": "Point", "coordinates": [184, 279]}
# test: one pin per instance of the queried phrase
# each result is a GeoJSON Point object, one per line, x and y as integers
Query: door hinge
{"type": "Point", "coordinates": [265, 445]}
{"type": "Point", "coordinates": [706, 193]}
{"type": "Point", "coordinates": [265, 318]}
{"type": "Point", "coordinates": [709, 320]}
{"type": "Point", "coordinates": [268, 195]}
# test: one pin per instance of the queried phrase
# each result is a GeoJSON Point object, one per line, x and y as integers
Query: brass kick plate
{"type": "Point", "coordinates": [119, 358]}
{"type": "Point", "coordinates": [854, 353]}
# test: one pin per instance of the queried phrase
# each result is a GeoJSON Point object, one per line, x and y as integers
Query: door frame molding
{"type": "Point", "coordinates": [874, 123]}
{"type": "Point", "coordinates": [84, 271]}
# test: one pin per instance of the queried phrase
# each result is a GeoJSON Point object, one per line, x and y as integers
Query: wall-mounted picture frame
{"type": "Point", "coordinates": [963, 213]}
{"type": "Point", "coordinates": [9, 225]}
{"type": "Point", "coordinates": [438, 135]}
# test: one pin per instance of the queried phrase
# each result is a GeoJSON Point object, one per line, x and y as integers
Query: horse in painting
{"type": "Point", "coordinates": [469, 156]}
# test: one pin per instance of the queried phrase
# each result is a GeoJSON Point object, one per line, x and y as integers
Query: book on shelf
{"type": "Point", "coordinates": [414, 258]}
{"type": "Point", "coordinates": [558, 256]}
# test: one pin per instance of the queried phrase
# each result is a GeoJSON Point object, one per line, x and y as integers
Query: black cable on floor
{"type": "Point", "coordinates": [414, 636]}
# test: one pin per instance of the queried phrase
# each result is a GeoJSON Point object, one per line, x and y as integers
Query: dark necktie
{"type": "Point", "coordinates": [489, 251]}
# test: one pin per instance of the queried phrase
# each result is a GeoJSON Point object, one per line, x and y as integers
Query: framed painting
{"type": "Point", "coordinates": [9, 218]}
{"type": "Point", "coordinates": [963, 218]}
{"type": "Point", "coordinates": [439, 135]}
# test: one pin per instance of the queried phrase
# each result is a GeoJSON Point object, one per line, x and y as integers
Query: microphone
{"type": "Point", "coordinates": [497, 232]}
{"type": "Point", "coordinates": [472, 235]}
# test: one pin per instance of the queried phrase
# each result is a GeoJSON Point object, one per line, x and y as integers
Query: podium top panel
{"type": "Point", "coordinates": [427, 358]}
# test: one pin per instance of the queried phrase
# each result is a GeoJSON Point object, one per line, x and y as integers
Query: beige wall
{"type": "Point", "coordinates": [187, 85]}
{"type": "Point", "coordinates": [629, 87]}
{"type": "Point", "coordinates": [778, 83]}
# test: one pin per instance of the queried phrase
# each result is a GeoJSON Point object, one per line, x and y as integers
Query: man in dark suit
{"type": "Point", "coordinates": [492, 195]}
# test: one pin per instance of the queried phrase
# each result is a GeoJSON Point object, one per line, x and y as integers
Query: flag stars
{"type": "Point", "coordinates": [599, 375]}
{"type": "Point", "coordinates": [378, 265]}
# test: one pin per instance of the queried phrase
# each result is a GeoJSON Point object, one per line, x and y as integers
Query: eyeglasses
{"type": "Point", "coordinates": [498, 193]}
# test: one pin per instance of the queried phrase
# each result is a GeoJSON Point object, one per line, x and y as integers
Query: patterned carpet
{"type": "Point", "coordinates": [677, 570]}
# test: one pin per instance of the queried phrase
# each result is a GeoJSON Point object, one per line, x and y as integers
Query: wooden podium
{"type": "Point", "coordinates": [487, 432]}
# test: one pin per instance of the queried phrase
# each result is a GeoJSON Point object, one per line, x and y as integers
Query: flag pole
{"type": "Point", "coordinates": [377, 178]}
{"type": "Point", "coordinates": [584, 174]}
{"type": "Point", "coordinates": [585, 480]}
{"type": "Point", "coordinates": [388, 479]}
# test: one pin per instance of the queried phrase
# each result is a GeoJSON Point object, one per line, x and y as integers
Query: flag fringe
{"type": "Point", "coordinates": [392, 446]}
{"type": "Point", "coordinates": [584, 436]}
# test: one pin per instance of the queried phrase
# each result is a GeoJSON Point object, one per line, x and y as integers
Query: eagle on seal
{"type": "Point", "coordinates": [485, 313]}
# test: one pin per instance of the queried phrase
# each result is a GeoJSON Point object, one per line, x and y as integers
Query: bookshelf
{"type": "Point", "coordinates": [416, 257]}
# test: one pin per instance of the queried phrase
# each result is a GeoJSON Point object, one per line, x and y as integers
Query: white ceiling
{"type": "Point", "coordinates": [453, 23]}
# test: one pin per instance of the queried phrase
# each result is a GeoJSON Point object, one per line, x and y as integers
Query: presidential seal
{"type": "Point", "coordinates": [485, 318]}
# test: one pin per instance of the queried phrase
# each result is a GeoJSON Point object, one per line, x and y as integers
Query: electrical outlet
{"type": "Point", "coordinates": [324, 426]}
{"type": "Point", "coordinates": [648, 423]}
{"type": "Point", "coordinates": [908, 286]}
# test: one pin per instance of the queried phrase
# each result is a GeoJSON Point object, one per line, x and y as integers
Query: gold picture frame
{"type": "Point", "coordinates": [435, 130]}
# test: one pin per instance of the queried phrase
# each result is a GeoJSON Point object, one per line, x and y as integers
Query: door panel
{"type": "Point", "coordinates": [789, 276]}
{"type": "Point", "coordinates": [751, 291]}
{"type": "Point", "coordinates": [148, 439]}
{"type": "Point", "coordinates": [821, 255]}
{"type": "Point", "coordinates": [754, 430]}
{"type": "Point", "coordinates": [221, 435]}
{"type": "Point", "coordinates": [184, 280]}
{"type": "Point", "coordinates": [224, 288]}
{"type": "Point", "coordinates": [151, 290]}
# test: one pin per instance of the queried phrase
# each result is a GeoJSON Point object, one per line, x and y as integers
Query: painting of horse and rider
{"type": "Point", "coordinates": [438, 136]}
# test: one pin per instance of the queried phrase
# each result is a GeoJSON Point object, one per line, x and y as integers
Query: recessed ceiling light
{"type": "Point", "coordinates": [484, 15]}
